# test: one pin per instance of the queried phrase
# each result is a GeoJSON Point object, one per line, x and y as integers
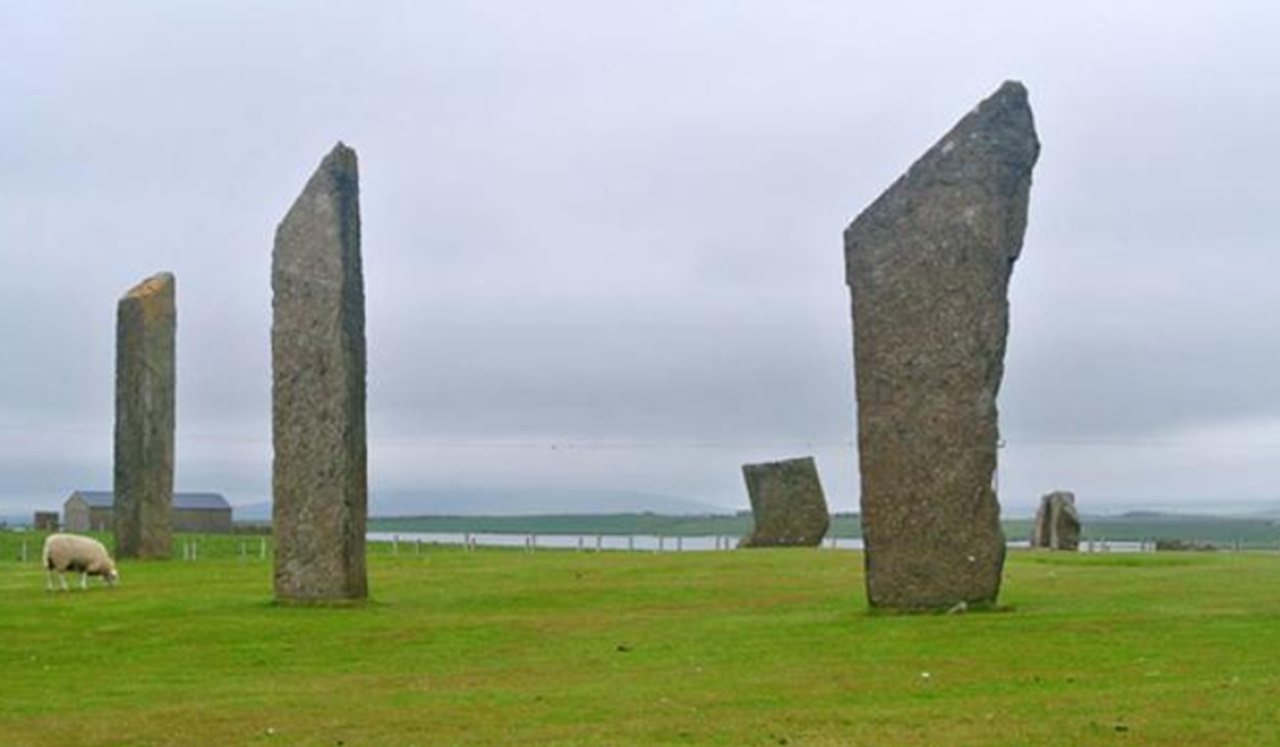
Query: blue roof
{"type": "Point", "coordinates": [189, 501]}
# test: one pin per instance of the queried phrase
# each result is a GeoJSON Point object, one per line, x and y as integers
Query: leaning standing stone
{"type": "Point", "coordinates": [928, 267]}
{"type": "Point", "coordinates": [146, 328]}
{"type": "Point", "coordinates": [787, 503]}
{"type": "Point", "coordinates": [1057, 524]}
{"type": "Point", "coordinates": [319, 478]}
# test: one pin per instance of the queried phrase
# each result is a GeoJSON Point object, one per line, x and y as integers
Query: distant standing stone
{"type": "Point", "coordinates": [928, 267]}
{"type": "Point", "coordinates": [146, 330]}
{"type": "Point", "coordinates": [1057, 524]}
{"type": "Point", "coordinates": [787, 503]}
{"type": "Point", "coordinates": [320, 475]}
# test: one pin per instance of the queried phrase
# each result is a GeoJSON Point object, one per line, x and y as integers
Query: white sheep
{"type": "Point", "coordinates": [71, 552]}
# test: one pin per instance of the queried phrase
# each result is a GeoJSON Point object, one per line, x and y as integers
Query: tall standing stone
{"type": "Point", "coordinates": [146, 330]}
{"type": "Point", "coordinates": [320, 475]}
{"type": "Point", "coordinates": [787, 504]}
{"type": "Point", "coordinates": [928, 267]}
{"type": "Point", "coordinates": [1057, 524]}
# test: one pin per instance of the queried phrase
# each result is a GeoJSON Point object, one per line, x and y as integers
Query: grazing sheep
{"type": "Point", "coordinates": [71, 552]}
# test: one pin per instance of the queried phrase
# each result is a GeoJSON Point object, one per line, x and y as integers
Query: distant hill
{"type": "Point", "coordinates": [526, 501]}
{"type": "Point", "coordinates": [513, 502]}
{"type": "Point", "coordinates": [622, 512]}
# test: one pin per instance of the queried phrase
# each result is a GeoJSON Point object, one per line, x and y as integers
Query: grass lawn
{"type": "Point", "coordinates": [759, 647]}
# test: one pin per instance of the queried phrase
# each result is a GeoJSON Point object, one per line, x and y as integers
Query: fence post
{"type": "Point", "coordinates": [580, 541]}
{"type": "Point", "coordinates": [679, 544]}
{"type": "Point", "coordinates": [631, 543]}
{"type": "Point", "coordinates": [262, 548]}
{"type": "Point", "coordinates": [24, 551]}
{"type": "Point", "coordinates": [661, 542]}
{"type": "Point", "coordinates": [599, 542]}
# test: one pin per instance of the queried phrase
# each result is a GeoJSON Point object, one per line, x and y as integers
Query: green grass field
{"type": "Point", "coordinates": [761, 647]}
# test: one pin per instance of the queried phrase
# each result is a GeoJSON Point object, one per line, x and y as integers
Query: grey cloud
{"type": "Point", "coordinates": [587, 222]}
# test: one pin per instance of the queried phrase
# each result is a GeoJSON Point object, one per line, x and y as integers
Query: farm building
{"type": "Point", "coordinates": [91, 510]}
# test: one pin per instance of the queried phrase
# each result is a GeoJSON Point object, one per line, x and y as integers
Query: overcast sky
{"type": "Point", "coordinates": [615, 229]}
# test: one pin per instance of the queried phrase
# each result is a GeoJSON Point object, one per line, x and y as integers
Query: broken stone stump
{"type": "Point", "coordinates": [319, 473]}
{"type": "Point", "coordinates": [146, 330]}
{"type": "Point", "coordinates": [787, 503]}
{"type": "Point", "coordinates": [928, 266]}
{"type": "Point", "coordinates": [1057, 524]}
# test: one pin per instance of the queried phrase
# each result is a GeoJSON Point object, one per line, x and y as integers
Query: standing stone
{"type": "Point", "coordinates": [146, 328]}
{"type": "Point", "coordinates": [928, 267]}
{"type": "Point", "coordinates": [787, 503]}
{"type": "Point", "coordinates": [320, 476]}
{"type": "Point", "coordinates": [1057, 524]}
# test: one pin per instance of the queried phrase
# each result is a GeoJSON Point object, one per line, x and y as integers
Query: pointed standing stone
{"type": "Point", "coordinates": [320, 477]}
{"type": "Point", "coordinates": [787, 504]}
{"type": "Point", "coordinates": [928, 267]}
{"type": "Point", "coordinates": [1057, 524]}
{"type": "Point", "coordinates": [146, 328]}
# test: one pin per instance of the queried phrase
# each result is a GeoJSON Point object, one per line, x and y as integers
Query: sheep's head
{"type": "Point", "coordinates": [112, 576]}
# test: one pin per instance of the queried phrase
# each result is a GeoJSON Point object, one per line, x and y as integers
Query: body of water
{"type": "Point", "coordinates": [653, 543]}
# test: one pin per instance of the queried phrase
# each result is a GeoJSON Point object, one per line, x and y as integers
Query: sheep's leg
{"type": "Point", "coordinates": [48, 579]}
{"type": "Point", "coordinates": [84, 580]}
{"type": "Point", "coordinates": [62, 579]}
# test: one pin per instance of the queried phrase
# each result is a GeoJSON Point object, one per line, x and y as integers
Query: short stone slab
{"type": "Point", "coordinates": [146, 333]}
{"type": "Point", "coordinates": [787, 503]}
{"type": "Point", "coordinates": [928, 267]}
{"type": "Point", "coordinates": [320, 473]}
{"type": "Point", "coordinates": [1057, 524]}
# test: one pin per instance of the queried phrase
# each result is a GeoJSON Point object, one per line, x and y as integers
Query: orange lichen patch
{"type": "Point", "coordinates": [151, 286]}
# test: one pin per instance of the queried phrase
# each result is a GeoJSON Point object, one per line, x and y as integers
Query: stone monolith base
{"type": "Point", "coordinates": [146, 331]}
{"type": "Point", "coordinates": [928, 267]}
{"type": "Point", "coordinates": [1057, 524]}
{"type": "Point", "coordinates": [787, 504]}
{"type": "Point", "coordinates": [319, 477]}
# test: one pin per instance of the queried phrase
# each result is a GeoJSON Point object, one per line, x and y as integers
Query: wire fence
{"type": "Point", "coordinates": [25, 546]}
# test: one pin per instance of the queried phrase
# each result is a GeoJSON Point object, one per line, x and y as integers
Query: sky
{"type": "Point", "coordinates": [602, 241]}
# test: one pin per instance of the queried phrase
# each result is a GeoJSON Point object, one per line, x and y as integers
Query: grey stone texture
{"type": "Point", "coordinates": [787, 503]}
{"type": "Point", "coordinates": [1057, 524]}
{"type": "Point", "coordinates": [320, 473]}
{"type": "Point", "coordinates": [928, 266]}
{"type": "Point", "coordinates": [146, 332]}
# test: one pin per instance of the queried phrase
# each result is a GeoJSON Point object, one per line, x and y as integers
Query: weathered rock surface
{"type": "Point", "coordinates": [146, 331]}
{"type": "Point", "coordinates": [320, 474]}
{"type": "Point", "coordinates": [928, 267]}
{"type": "Point", "coordinates": [787, 503]}
{"type": "Point", "coordinates": [1057, 524]}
